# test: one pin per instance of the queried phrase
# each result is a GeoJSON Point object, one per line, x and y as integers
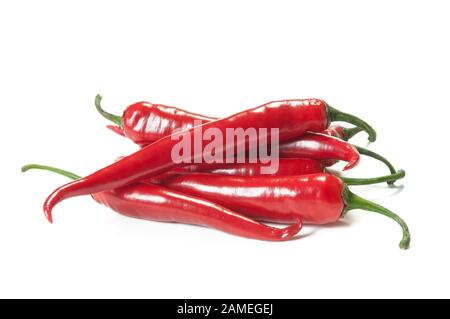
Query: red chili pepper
{"type": "Point", "coordinates": [144, 123]}
{"type": "Point", "coordinates": [153, 202]}
{"type": "Point", "coordinates": [291, 118]}
{"type": "Point", "coordinates": [338, 131]}
{"type": "Point", "coordinates": [310, 145]}
{"type": "Point", "coordinates": [319, 144]}
{"type": "Point", "coordinates": [286, 166]}
{"type": "Point", "coordinates": [321, 147]}
{"type": "Point", "coordinates": [347, 133]}
{"type": "Point", "coordinates": [316, 198]}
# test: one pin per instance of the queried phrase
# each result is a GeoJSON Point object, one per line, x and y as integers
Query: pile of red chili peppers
{"type": "Point", "coordinates": [233, 197]}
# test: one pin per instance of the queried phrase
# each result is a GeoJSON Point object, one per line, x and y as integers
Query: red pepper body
{"type": "Point", "coordinates": [292, 118]}
{"type": "Point", "coordinates": [286, 166]}
{"type": "Point", "coordinates": [144, 122]}
{"type": "Point", "coordinates": [335, 131]}
{"type": "Point", "coordinates": [321, 147]}
{"type": "Point", "coordinates": [315, 198]}
{"type": "Point", "coordinates": [153, 202]}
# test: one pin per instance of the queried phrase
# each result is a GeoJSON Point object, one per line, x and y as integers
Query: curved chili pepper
{"type": "Point", "coordinates": [313, 145]}
{"type": "Point", "coordinates": [146, 122]}
{"type": "Point", "coordinates": [316, 198]}
{"type": "Point", "coordinates": [346, 134]}
{"type": "Point", "coordinates": [334, 131]}
{"type": "Point", "coordinates": [338, 131]}
{"type": "Point", "coordinates": [292, 118]}
{"type": "Point", "coordinates": [286, 166]}
{"type": "Point", "coordinates": [318, 143]}
{"type": "Point", "coordinates": [321, 147]}
{"type": "Point", "coordinates": [153, 202]}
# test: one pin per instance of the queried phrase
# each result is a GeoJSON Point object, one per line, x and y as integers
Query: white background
{"type": "Point", "coordinates": [386, 61]}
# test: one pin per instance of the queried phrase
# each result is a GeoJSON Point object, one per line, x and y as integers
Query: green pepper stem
{"type": "Point", "coordinates": [366, 152]}
{"type": "Point", "coordinates": [353, 201]}
{"type": "Point", "coordinates": [350, 132]}
{"type": "Point", "coordinates": [336, 115]}
{"type": "Point", "coordinates": [374, 180]}
{"type": "Point", "coordinates": [51, 169]}
{"type": "Point", "coordinates": [111, 117]}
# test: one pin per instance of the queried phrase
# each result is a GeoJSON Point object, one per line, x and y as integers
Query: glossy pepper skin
{"type": "Point", "coordinates": [321, 147]}
{"type": "Point", "coordinates": [145, 122]}
{"type": "Point", "coordinates": [312, 145]}
{"type": "Point", "coordinates": [347, 133]}
{"type": "Point", "coordinates": [292, 118]}
{"type": "Point", "coordinates": [157, 203]}
{"type": "Point", "coordinates": [316, 198]}
{"type": "Point", "coordinates": [286, 166]}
